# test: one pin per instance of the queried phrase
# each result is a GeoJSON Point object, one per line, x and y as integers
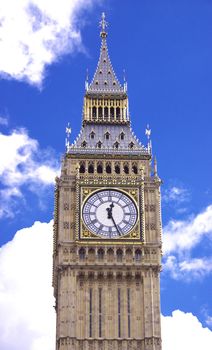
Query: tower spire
{"type": "Point", "coordinates": [105, 80]}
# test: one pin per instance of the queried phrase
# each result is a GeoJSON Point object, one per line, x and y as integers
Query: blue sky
{"type": "Point", "coordinates": [165, 49]}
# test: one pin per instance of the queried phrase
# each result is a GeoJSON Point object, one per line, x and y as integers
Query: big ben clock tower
{"type": "Point", "coordinates": [107, 228]}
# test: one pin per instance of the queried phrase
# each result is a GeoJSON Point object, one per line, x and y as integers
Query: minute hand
{"type": "Point", "coordinates": [116, 225]}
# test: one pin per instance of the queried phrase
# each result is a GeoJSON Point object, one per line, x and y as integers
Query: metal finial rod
{"type": "Point", "coordinates": [68, 133]}
{"type": "Point", "coordinates": [148, 132]}
{"type": "Point", "coordinates": [103, 25]}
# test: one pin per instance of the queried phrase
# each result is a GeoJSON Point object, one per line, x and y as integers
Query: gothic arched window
{"type": "Point", "coordinates": [100, 113]}
{"type": "Point", "coordinates": [112, 113]}
{"type": "Point", "coordinates": [82, 168]}
{"type": "Point", "coordinates": [82, 253]}
{"type": "Point", "coordinates": [106, 112]}
{"type": "Point", "coordinates": [119, 254]}
{"type": "Point", "coordinates": [135, 169]}
{"type": "Point", "coordinates": [91, 169]}
{"type": "Point", "coordinates": [108, 168]}
{"type": "Point", "coordinates": [126, 169]}
{"type": "Point", "coordinates": [138, 255]}
{"type": "Point", "coordinates": [117, 169]}
{"type": "Point", "coordinates": [94, 112]}
{"type": "Point", "coordinates": [99, 168]}
{"type": "Point", "coordinates": [100, 254]}
{"type": "Point", "coordinates": [118, 113]}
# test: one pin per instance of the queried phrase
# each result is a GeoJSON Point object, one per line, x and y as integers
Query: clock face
{"type": "Point", "coordinates": [109, 213]}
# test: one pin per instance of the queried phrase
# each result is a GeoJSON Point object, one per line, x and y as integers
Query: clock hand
{"type": "Point", "coordinates": [110, 216]}
{"type": "Point", "coordinates": [116, 225]}
{"type": "Point", "coordinates": [109, 211]}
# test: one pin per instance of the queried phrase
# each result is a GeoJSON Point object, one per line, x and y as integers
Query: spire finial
{"type": "Point", "coordinates": [148, 134]}
{"type": "Point", "coordinates": [68, 133]}
{"type": "Point", "coordinates": [103, 25]}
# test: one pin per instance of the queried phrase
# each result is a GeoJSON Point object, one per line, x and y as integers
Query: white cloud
{"type": "Point", "coordinates": [187, 267]}
{"type": "Point", "coordinates": [184, 331]}
{"type": "Point", "coordinates": [35, 33]}
{"type": "Point", "coordinates": [27, 316]}
{"type": "Point", "coordinates": [176, 194]}
{"type": "Point", "coordinates": [180, 238]}
{"type": "Point", "coordinates": [23, 163]}
{"type": "Point", "coordinates": [184, 235]}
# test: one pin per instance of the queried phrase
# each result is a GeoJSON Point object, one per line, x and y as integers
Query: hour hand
{"type": "Point", "coordinates": [109, 211]}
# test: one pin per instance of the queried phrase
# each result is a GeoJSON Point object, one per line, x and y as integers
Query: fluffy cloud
{"type": "Point", "coordinates": [36, 33]}
{"type": "Point", "coordinates": [27, 316]}
{"type": "Point", "coordinates": [180, 238]}
{"type": "Point", "coordinates": [22, 163]}
{"type": "Point", "coordinates": [176, 194]}
{"type": "Point", "coordinates": [184, 331]}
{"type": "Point", "coordinates": [184, 235]}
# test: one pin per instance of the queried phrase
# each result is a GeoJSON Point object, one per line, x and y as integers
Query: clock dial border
{"type": "Point", "coordinates": [134, 234]}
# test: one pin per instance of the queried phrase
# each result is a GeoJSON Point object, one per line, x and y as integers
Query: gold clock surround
{"type": "Point", "coordinates": [134, 234]}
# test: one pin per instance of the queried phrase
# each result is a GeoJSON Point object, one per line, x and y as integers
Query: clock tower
{"type": "Point", "coordinates": [107, 227]}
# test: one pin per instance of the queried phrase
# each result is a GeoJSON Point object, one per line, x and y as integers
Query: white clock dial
{"type": "Point", "coordinates": [109, 213]}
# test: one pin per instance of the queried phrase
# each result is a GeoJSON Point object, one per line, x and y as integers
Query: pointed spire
{"type": "Point", "coordinates": [105, 80]}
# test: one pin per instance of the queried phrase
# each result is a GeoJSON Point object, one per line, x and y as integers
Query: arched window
{"type": "Point", "coordinates": [91, 254]}
{"type": "Point", "coordinates": [108, 168]}
{"type": "Point", "coordinates": [99, 144]}
{"type": "Point", "coordinates": [107, 135]}
{"type": "Point", "coordinates": [91, 169]}
{"type": "Point", "coordinates": [119, 254]}
{"type": "Point", "coordinates": [100, 254]}
{"type": "Point", "coordinates": [82, 254]}
{"type": "Point", "coordinates": [84, 144]}
{"type": "Point", "coordinates": [99, 168]}
{"type": "Point", "coordinates": [118, 113]}
{"type": "Point", "coordinates": [135, 169]}
{"type": "Point", "coordinates": [117, 169]}
{"type": "Point", "coordinates": [129, 254]}
{"type": "Point", "coordinates": [82, 168]}
{"type": "Point", "coordinates": [126, 169]}
{"type": "Point", "coordinates": [92, 134]}
{"type": "Point", "coordinates": [111, 113]}
{"type": "Point", "coordinates": [122, 136]}
{"type": "Point", "coordinates": [138, 255]}
{"type": "Point", "coordinates": [110, 254]}
{"type": "Point", "coordinates": [100, 113]}
{"type": "Point", "coordinates": [131, 145]}
{"type": "Point", "coordinates": [106, 113]}
{"type": "Point", "coordinates": [94, 112]}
